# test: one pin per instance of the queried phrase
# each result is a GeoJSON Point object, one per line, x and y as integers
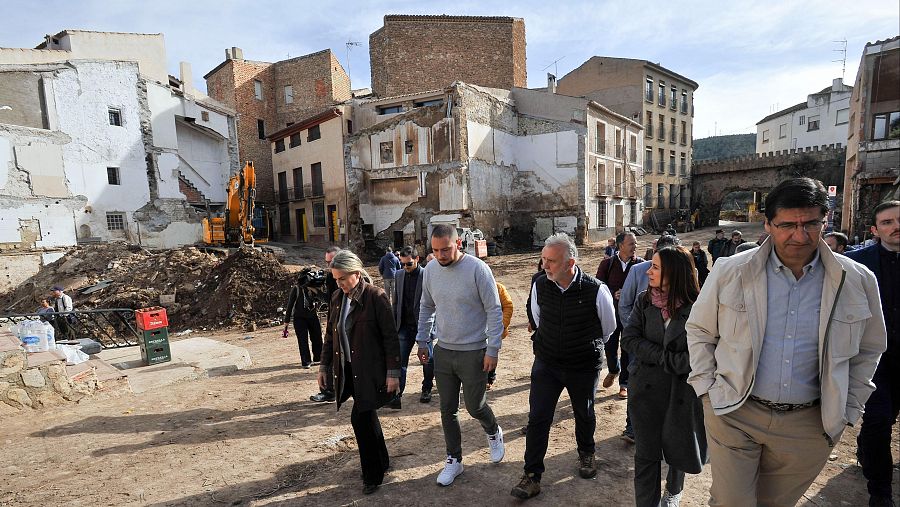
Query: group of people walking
{"type": "Point", "coordinates": [757, 373]}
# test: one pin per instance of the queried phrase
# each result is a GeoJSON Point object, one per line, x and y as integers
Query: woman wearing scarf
{"type": "Point", "coordinates": [665, 411]}
{"type": "Point", "coordinates": [362, 351]}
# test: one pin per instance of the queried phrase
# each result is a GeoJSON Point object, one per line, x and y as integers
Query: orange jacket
{"type": "Point", "coordinates": [507, 305]}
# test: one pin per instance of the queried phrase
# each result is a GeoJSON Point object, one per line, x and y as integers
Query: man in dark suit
{"type": "Point", "coordinates": [882, 407]}
{"type": "Point", "coordinates": [406, 298]}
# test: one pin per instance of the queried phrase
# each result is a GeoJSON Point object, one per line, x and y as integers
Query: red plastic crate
{"type": "Point", "coordinates": [151, 318]}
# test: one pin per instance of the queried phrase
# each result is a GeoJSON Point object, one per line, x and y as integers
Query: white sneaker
{"type": "Point", "coordinates": [669, 500]}
{"type": "Point", "coordinates": [452, 468]}
{"type": "Point", "coordinates": [498, 449]}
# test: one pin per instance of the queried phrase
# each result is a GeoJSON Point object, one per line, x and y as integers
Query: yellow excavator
{"type": "Point", "coordinates": [236, 228]}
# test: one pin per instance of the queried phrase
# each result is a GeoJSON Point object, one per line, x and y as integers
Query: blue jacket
{"type": "Point", "coordinates": [636, 282]}
{"type": "Point", "coordinates": [388, 266]}
{"type": "Point", "coordinates": [868, 257]}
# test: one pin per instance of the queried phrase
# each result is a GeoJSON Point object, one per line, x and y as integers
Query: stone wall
{"type": "Point", "coordinates": [416, 53]}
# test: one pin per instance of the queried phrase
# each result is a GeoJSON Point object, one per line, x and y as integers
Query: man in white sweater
{"type": "Point", "coordinates": [460, 300]}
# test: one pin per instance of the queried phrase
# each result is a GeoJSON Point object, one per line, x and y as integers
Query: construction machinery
{"type": "Point", "coordinates": [243, 223]}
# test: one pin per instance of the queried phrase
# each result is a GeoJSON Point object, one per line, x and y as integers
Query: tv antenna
{"type": "Point", "coordinates": [843, 51]}
{"type": "Point", "coordinates": [349, 45]}
{"type": "Point", "coordinates": [555, 64]}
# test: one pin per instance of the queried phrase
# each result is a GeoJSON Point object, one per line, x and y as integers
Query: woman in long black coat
{"type": "Point", "coordinates": [362, 352]}
{"type": "Point", "coordinates": [666, 413]}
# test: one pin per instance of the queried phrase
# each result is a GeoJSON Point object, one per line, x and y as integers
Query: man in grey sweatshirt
{"type": "Point", "coordinates": [460, 300]}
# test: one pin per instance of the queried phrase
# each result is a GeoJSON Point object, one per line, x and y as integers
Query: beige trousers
{"type": "Point", "coordinates": [761, 457]}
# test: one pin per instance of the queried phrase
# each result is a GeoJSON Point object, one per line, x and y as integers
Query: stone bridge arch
{"type": "Point", "coordinates": [712, 180]}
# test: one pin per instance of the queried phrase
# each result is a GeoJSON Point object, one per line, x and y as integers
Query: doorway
{"type": "Point", "coordinates": [332, 223]}
{"type": "Point", "coordinates": [301, 224]}
{"type": "Point", "coordinates": [398, 240]}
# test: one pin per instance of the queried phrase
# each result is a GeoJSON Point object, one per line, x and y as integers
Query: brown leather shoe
{"type": "Point", "coordinates": [609, 379]}
{"type": "Point", "coordinates": [527, 488]}
{"type": "Point", "coordinates": [623, 393]}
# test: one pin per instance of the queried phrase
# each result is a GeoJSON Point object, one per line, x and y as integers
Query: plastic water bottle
{"type": "Point", "coordinates": [50, 333]}
{"type": "Point", "coordinates": [31, 335]}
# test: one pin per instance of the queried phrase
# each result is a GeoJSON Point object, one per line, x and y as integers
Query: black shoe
{"type": "Point", "coordinates": [322, 397]}
{"type": "Point", "coordinates": [425, 397]}
{"type": "Point", "coordinates": [395, 404]}
{"type": "Point", "coordinates": [586, 468]}
{"type": "Point", "coordinates": [368, 489]}
{"type": "Point", "coordinates": [529, 486]}
{"type": "Point", "coordinates": [628, 435]}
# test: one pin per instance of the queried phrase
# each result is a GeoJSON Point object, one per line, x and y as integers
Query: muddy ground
{"type": "Point", "coordinates": [253, 438]}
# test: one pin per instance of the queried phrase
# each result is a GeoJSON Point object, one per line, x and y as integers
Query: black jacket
{"type": "Point", "coordinates": [400, 279]}
{"type": "Point", "coordinates": [569, 334]}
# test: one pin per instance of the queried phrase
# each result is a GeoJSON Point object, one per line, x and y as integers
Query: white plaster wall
{"type": "Point", "coordinates": [164, 105]}
{"type": "Point", "coordinates": [798, 136]}
{"type": "Point", "coordinates": [551, 157]}
{"type": "Point", "coordinates": [55, 219]}
{"type": "Point", "coordinates": [5, 160]}
{"type": "Point", "coordinates": [452, 192]}
{"type": "Point", "coordinates": [174, 235]}
{"type": "Point", "coordinates": [491, 186]}
{"type": "Point", "coordinates": [44, 164]}
{"type": "Point", "coordinates": [206, 159]}
{"type": "Point", "coordinates": [167, 166]}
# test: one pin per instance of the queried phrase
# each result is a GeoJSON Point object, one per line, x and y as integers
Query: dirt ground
{"type": "Point", "coordinates": [252, 438]}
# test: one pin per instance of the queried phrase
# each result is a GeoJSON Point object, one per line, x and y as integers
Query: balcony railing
{"type": "Point", "coordinates": [672, 167]}
{"type": "Point", "coordinates": [604, 189]}
{"type": "Point", "coordinates": [632, 155]}
{"type": "Point", "coordinates": [662, 98]}
{"type": "Point", "coordinates": [601, 146]}
{"type": "Point", "coordinates": [683, 168]}
{"type": "Point", "coordinates": [683, 138]}
{"type": "Point", "coordinates": [299, 192]}
{"type": "Point", "coordinates": [661, 167]}
{"type": "Point", "coordinates": [620, 150]}
{"type": "Point", "coordinates": [684, 107]}
{"type": "Point", "coordinates": [672, 135]}
{"type": "Point", "coordinates": [619, 189]}
{"type": "Point", "coordinates": [648, 95]}
{"type": "Point", "coordinates": [316, 189]}
{"type": "Point", "coordinates": [648, 131]}
{"type": "Point", "coordinates": [648, 165]}
{"type": "Point", "coordinates": [661, 132]}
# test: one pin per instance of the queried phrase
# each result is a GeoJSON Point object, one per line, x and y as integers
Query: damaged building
{"type": "Point", "coordinates": [99, 143]}
{"type": "Point", "coordinates": [516, 164]}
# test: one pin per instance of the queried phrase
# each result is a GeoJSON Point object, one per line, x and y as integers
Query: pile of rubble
{"type": "Point", "coordinates": [199, 290]}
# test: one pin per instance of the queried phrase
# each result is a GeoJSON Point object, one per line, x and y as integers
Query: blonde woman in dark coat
{"type": "Point", "coordinates": [362, 352]}
{"type": "Point", "coordinates": [666, 413]}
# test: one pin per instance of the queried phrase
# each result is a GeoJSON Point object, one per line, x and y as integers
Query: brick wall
{"type": "Point", "coordinates": [317, 81]}
{"type": "Point", "coordinates": [416, 53]}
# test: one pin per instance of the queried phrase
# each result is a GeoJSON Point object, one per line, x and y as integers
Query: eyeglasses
{"type": "Point", "coordinates": [811, 226]}
{"type": "Point", "coordinates": [409, 264]}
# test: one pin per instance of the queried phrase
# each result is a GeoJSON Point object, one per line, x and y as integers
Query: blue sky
{"type": "Point", "coordinates": [750, 58]}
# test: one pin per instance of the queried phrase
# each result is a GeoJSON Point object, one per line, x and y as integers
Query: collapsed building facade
{"type": "Point", "coordinates": [99, 143]}
{"type": "Point", "coordinates": [517, 164]}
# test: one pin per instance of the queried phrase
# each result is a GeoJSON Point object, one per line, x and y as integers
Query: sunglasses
{"type": "Point", "coordinates": [410, 263]}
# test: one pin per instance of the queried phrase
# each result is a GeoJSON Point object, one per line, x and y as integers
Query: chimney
{"type": "Point", "coordinates": [837, 84]}
{"type": "Point", "coordinates": [551, 83]}
{"type": "Point", "coordinates": [187, 78]}
{"type": "Point", "coordinates": [237, 53]}
{"type": "Point", "coordinates": [227, 54]}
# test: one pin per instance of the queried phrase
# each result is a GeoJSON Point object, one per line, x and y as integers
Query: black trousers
{"type": "Point", "coordinates": [647, 474]}
{"type": "Point", "coordinates": [373, 454]}
{"type": "Point", "coordinates": [547, 383]}
{"type": "Point", "coordinates": [613, 362]}
{"type": "Point", "coordinates": [309, 332]}
{"type": "Point", "coordinates": [874, 440]}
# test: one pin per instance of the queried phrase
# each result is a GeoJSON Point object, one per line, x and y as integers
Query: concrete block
{"type": "Point", "coordinates": [33, 378]}
{"type": "Point", "coordinates": [36, 359]}
{"type": "Point", "coordinates": [8, 342]}
{"type": "Point", "coordinates": [18, 398]}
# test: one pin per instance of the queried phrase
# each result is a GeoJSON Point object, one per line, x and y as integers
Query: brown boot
{"type": "Point", "coordinates": [528, 487]}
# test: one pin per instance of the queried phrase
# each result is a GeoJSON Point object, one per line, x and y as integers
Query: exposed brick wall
{"type": "Point", "coordinates": [191, 194]}
{"type": "Point", "coordinates": [313, 79]}
{"type": "Point", "coordinates": [415, 53]}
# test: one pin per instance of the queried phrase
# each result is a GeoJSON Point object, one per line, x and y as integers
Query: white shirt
{"type": "Point", "coordinates": [606, 310]}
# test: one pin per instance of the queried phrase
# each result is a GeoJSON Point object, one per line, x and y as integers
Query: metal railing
{"type": "Point", "coordinates": [683, 138]}
{"type": "Point", "coordinates": [648, 130]}
{"type": "Point", "coordinates": [684, 107]}
{"type": "Point", "coordinates": [601, 146]}
{"type": "Point", "coordinates": [661, 132]}
{"type": "Point", "coordinates": [632, 155]}
{"type": "Point", "coordinates": [604, 189]}
{"type": "Point", "coordinates": [661, 167]}
{"type": "Point", "coordinates": [683, 168]}
{"type": "Point", "coordinates": [619, 150]}
{"type": "Point", "coordinates": [110, 327]}
{"type": "Point", "coordinates": [648, 165]}
{"type": "Point", "coordinates": [672, 167]}
{"type": "Point", "coordinates": [672, 135]}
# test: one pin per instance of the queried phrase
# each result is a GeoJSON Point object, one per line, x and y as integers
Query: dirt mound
{"type": "Point", "coordinates": [246, 287]}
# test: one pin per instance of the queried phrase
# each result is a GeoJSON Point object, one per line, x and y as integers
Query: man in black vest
{"type": "Point", "coordinates": [574, 317]}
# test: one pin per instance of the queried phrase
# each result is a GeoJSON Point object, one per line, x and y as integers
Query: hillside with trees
{"type": "Point", "coordinates": [724, 146]}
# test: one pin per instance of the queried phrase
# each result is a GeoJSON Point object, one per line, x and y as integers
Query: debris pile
{"type": "Point", "coordinates": [199, 290]}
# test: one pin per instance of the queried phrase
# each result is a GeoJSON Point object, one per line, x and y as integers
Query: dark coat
{"type": "Point", "coordinates": [664, 409]}
{"type": "Point", "coordinates": [398, 295]}
{"type": "Point", "coordinates": [868, 257]}
{"type": "Point", "coordinates": [374, 346]}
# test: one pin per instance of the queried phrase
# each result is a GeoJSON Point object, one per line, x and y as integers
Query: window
{"type": "Point", "coordinates": [684, 132]}
{"type": "Point", "coordinates": [115, 117]}
{"type": "Point", "coordinates": [408, 147]}
{"type": "Point", "coordinates": [298, 182]}
{"type": "Point", "coordinates": [349, 126]}
{"type": "Point", "coordinates": [672, 163]}
{"type": "Point", "coordinates": [648, 160]}
{"type": "Point", "coordinates": [662, 161]}
{"type": "Point", "coordinates": [115, 221]}
{"type": "Point", "coordinates": [660, 196]}
{"type": "Point", "coordinates": [390, 110]}
{"type": "Point", "coordinates": [648, 129]}
{"type": "Point", "coordinates": [601, 138]}
{"type": "Point", "coordinates": [802, 119]}
{"type": "Point", "coordinates": [672, 132]}
{"type": "Point", "coordinates": [765, 136]}
{"type": "Point", "coordinates": [387, 152]}
{"type": "Point", "coordinates": [842, 116]}
{"type": "Point", "coordinates": [313, 133]}
{"type": "Point", "coordinates": [813, 123]}
{"type": "Point", "coordinates": [204, 115]}
{"type": "Point", "coordinates": [661, 135]}
{"type": "Point", "coordinates": [673, 97]}
{"type": "Point", "coordinates": [632, 152]}
{"type": "Point", "coordinates": [257, 89]}
{"type": "Point", "coordinates": [279, 146]}
{"type": "Point", "coordinates": [601, 213]}
{"type": "Point", "coordinates": [316, 174]}
{"type": "Point", "coordinates": [601, 179]}
{"type": "Point", "coordinates": [295, 140]}
{"type": "Point", "coordinates": [662, 94]}
{"type": "Point", "coordinates": [288, 94]}
{"type": "Point", "coordinates": [887, 126]}
{"type": "Point", "coordinates": [673, 194]}
{"type": "Point", "coordinates": [633, 212]}
{"type": "Point", "coordinates": [282, 187]}
{"type": "Point", "coordinates": [648, 90]}
{"type": "Point", "coordinates": [261, 129]}
{"type": "Point", "coordinates": [648, 195]}
{"type": "Point", "coordinates": [319, 214]}
{"type": "Point", "coordinates": [682, 196]}
{"type": "Point", "coordinates": [426, 103]}
{"type": "Point", "coordinates": [683, 166]}
{"type": "Point", "coordinates": [112, 176]}
{"type": "Point", "coordinates": [683, 102]}
{"type": "Point", "coordinates": [284, 220]}
{"type": "Point", "coordinates": [782, 131]}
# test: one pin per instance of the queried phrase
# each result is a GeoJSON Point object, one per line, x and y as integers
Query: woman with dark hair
{"type": "Point", "coordinates": [700, 262]}
{"type": "Point", "coordinates": [362, 351]}
{"type": "Point", "coordinates": [666, 413]}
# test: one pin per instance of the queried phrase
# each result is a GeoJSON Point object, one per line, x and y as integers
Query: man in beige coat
{"type": "Point", "coordinates": [783, 341]}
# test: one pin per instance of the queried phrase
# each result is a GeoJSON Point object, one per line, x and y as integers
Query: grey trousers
{"type": "Point", "coordinates": [453, 369]}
